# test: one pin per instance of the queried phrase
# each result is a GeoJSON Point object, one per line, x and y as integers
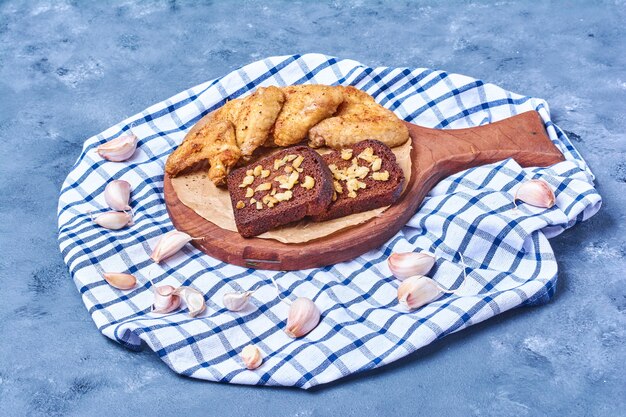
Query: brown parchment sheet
{"type": "Point", "coordinates": [197, 192]}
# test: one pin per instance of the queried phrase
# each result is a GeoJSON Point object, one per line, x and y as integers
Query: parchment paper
{"type": "Point", "coordinates": [198, 193]}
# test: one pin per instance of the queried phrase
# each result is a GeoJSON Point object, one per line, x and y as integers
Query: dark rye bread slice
{"type": "Point", "coordinates": [258, 210]}
{"type": "Point", "coordinates": [377, 192]}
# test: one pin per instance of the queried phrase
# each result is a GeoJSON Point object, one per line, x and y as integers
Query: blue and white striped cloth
{"type": "Point", "coordinates": [509, 261]}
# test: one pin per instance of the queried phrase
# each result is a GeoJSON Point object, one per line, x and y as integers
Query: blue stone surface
{"type": "Point", "coordinates": [70, 69]}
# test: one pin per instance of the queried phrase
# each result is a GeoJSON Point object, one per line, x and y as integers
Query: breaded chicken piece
{"type": "Point", "coordinates": [358, 118]}
{"type": "Point", "coordinates": [305, 106]}
{"type": "Point", "coordinates": [212, 139]}
{"type": "Point", "coordinates": [234, 130]}
{"type": "Point", "coordinates": [223, 152]}
{"type": "Point", "coordinates": [255, 118]}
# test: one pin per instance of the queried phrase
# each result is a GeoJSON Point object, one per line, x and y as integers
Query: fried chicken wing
{"type": "Point", "coordinates": [305, 106]}
{"type": "Point", "coordinates": [255, 118]}
{"type": "Point", "coordinates": [223, 152]}
{"type": "Point", "coordinates": [213, 140]}
{"type": "Point", "coordinates": [358, 118]}
{"type": "Point", "coordinates": [231, 132]}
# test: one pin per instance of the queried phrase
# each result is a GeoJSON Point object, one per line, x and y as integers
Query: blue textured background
{"type": "Point", "coordinates": [71, 69]}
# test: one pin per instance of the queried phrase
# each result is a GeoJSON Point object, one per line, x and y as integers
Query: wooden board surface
{"type": "Point", "coordinates": [436, 154]}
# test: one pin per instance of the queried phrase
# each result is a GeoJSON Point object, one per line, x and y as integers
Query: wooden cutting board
{"type": "Point", "coordinates": [436, 154]}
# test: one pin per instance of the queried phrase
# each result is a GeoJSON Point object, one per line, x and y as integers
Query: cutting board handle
{"type": "Point", "coordinates": [440, 153]}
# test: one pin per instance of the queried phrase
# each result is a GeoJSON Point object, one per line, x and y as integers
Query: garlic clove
{"type": "Point", "coordinates": [114, 220]}
{"type": "Point", "coordinates": [194, 300]}
{"type": "Point", "coordinates": [251, 357]}
{"type": "Point", "coordinates": [536, 193]}
{"type": "Point", "coordinates": [117, 195]}
{"type": "Point", "coordinates": [236, 301]}
{"type": "Point", "coordinates": [408, 264]}
{"type": "Point", "coordinates": [165, 301]}
{"type": "Point", "coordinates": [169, 244]}
{"type": "Point", "coordinates": [120, 281]}
{"type": "Point", "coordinates": [418, 291]}
{"type": "Point", "coordinates": [303, 317]}
{"type": "Point", "coordinates": [119, 149]}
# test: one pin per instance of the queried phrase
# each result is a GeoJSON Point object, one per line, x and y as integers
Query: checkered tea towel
{"type": "Point", "coordinates": [508, 259]}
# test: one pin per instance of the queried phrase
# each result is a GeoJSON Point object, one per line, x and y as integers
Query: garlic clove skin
{"type": "Point", "coordinates": [303, 317]}
{"type": "Point", "coordinates": [193, 298]}
{"type": "Point", "coordinates": [120, 281]}
{"type": "Point", "coordinates": [169, 244]}
{"type": "Point", "coordinates": [117, 195]}
{"type": "Point", "coordinates": [408, 264]}
{"type": "Point", "coordinates": [418, 291]}
{"type": "Point", "coordinates": [114, 220]}
{"type": "Point", "coordinates": [236, 301]}
{"type": "Point", "coordinates": [251, 357]}
{"type": "Point", "coordinates": [165, 301]}
{"type": "Point", "coordinates": [119, 149]}
{"type": "Point", "coordinates": [536, 193]}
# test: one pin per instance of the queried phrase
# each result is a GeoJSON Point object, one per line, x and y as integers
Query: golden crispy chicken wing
{"type": "Point", "coordinates": [234, 130]}
{"type": "Point", "coordinates": [223, 152]}
{"type": "Point", "coordinates": [256, 117]}
{"type": "Point", "coordinates": [212, 139]}
{"type": "Point", "coordinates": [305, 106]}
{"type": "Point", "coordinates": [358, 118]}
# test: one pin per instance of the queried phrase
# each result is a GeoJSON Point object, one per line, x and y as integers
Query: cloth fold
{"type": "Point", "coordinates": [507, 259]}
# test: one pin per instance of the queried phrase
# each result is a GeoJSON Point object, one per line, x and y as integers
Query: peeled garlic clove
{"type": "Point", "coordinates": [120, 281]}
{"type": "Point", "coordinates": [117, 195]}
{"type": "Point", "coordinates": [165, 300]}
{"type": "Point", "coordinates": [536, 193]}
{"type": "Point", "coordinates": [236, 301]}
{"type": "Point", "coordinates": [194, 300]}
{"type": "Point", "coordinates": [169, 244]}
{"type": "Point", "coordinates": [408, 264]}
{"type": "Point", "coordinates": [251, 357]}
{"type": "Point", "coordinates": [303, 317]}
{"type": "Point", "coordinates": [114, 220]}
{"type": "Point", "coordinates": [119, 149]}
{"type": "Point", "coordinates": [417, 291]}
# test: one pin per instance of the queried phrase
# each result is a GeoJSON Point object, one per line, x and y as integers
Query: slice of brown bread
{"type": "Point", "coordinates": [366, 176]}
{"type": "Point", "coordinates": [278, 189]}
